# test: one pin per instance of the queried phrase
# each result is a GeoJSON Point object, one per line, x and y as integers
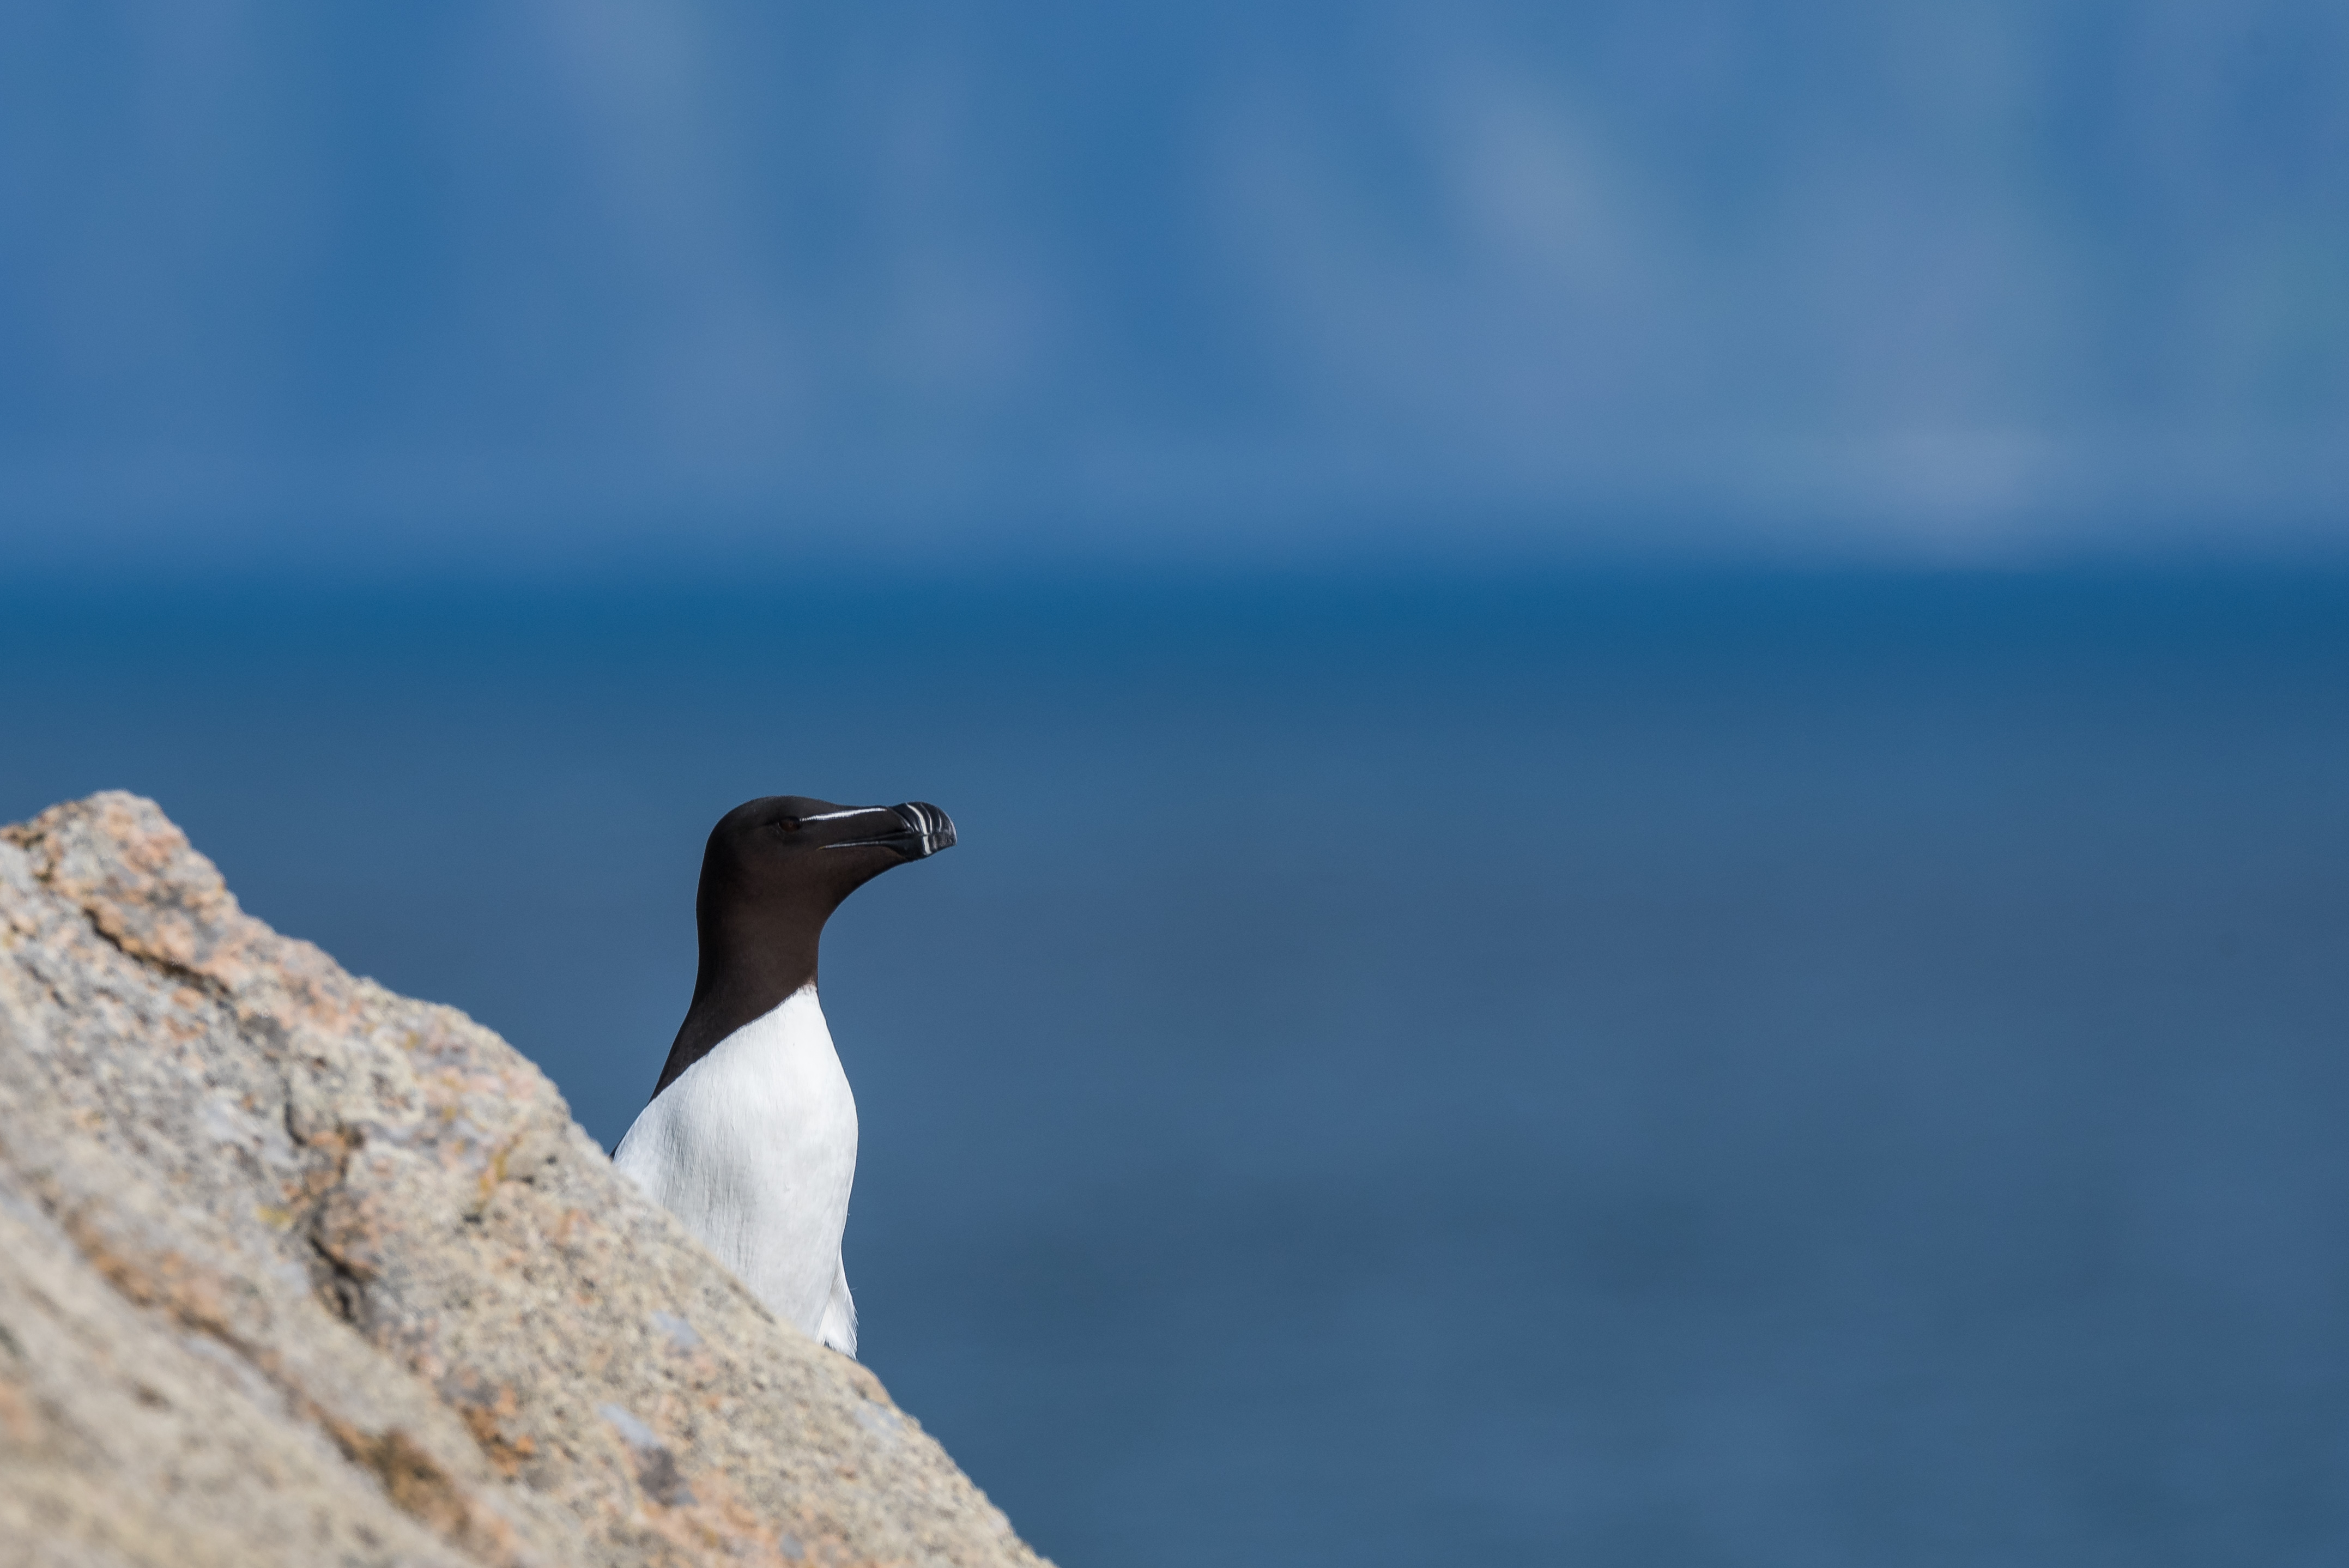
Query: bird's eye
{"type": "Point", "coordinates": [787, 824]}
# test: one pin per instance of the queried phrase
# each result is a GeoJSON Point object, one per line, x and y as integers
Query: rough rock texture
{"type": "Point", "coordinates": [295, 1270]}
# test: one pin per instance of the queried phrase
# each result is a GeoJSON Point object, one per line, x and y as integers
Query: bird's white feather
{"type": "Point", "coordinates": [754, 1148]}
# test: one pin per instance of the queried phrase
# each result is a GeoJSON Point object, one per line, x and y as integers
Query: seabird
{"type": "Point", "coordinates": [750, 1137]}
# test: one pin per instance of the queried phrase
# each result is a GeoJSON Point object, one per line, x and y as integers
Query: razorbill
{"type": "Point", "coordinates": [750, 1137]}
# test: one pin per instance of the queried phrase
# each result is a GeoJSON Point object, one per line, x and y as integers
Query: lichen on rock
{"type": "Point", "coordinates": [297, 1270]}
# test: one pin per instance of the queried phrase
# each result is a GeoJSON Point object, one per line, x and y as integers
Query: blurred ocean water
{"type": "Point", "coordinates": [1612, 1069]}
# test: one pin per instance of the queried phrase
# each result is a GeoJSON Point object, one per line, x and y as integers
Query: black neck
{"type": "Point", "coordinates": [751, 958]}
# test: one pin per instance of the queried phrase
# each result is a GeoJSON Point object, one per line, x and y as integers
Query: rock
{"type": "Point", "coordinates": [293, 1270]}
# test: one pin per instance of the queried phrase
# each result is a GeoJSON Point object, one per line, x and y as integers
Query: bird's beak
{"type": "Point", "coordinates": [927, 831]}
{"type": "Point", "coordinates": [921, 830]}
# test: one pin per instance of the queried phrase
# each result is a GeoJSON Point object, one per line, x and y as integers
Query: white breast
{"type": "Point", "coordinates": [754, 1148]}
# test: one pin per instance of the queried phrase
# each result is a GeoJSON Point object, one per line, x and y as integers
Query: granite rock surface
{"type": "Point", "coordinates": [293, 1270]}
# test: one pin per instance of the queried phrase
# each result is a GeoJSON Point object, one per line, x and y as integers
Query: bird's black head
{"type": "Point", "coordinates": [773, 871]}
{"type": "Point", "coordinates": [788, 860]}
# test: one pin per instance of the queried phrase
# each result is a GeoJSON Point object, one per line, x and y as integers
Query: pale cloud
{"type": "Point", "coordinates": [1993, 282]}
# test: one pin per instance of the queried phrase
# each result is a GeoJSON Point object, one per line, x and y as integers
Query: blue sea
{"type": "Point", "coordinates": [1605, 1069]}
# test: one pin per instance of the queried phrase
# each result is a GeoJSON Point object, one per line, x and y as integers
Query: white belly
{"type": "Point", "coordinates": [754, 1148]}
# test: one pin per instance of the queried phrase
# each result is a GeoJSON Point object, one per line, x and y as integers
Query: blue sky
{"type": "Point", "coordinates": [422, 285]}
